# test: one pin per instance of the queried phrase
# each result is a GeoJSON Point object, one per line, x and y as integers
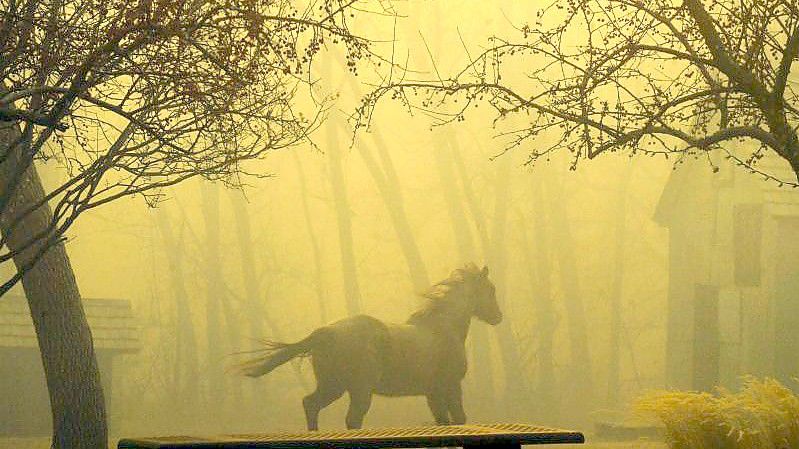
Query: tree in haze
{"type": "Point", "coordinates": [129, 97]}
{"type": "Point", "coordinates": [185, 370]}
{"type": "Point", "coordinates": [653, 77]}
{"type": "Point", "coordinates": [680, 79]}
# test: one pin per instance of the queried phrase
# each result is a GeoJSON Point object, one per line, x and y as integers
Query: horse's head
{"type": "Point", "coordinates": [466, 293]}
{"type": "Point", "coordinates": [483, 295]}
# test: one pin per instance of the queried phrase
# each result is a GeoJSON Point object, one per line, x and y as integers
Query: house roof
{"type": "Point", "coordinates": [687, 191]}
{"type": "Point", "coordinates": [679, 192]}
{"type": "Point", "coordinates": [114, 328]}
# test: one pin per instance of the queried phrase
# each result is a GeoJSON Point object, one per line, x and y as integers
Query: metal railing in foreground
{"type": "Point", "coordinates": [469, 436]}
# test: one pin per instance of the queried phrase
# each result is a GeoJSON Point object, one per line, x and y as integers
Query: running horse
{"type": "Point", "coordinates": [364, 356]}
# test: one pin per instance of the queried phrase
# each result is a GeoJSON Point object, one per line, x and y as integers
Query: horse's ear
{"type": "Point", "coordinates": [484, 271]}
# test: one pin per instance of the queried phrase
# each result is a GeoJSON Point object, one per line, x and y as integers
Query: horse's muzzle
{"type": "Point", "coordinates": [493, 319]}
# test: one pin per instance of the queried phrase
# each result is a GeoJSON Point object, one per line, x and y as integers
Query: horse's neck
{"type": "Point", "coordinates": [463, 329]}
{"type": "Point", "coordinates": [455, 324]}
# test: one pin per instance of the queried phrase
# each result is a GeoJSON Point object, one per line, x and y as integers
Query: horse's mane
{"type": "Point", "coordinates": [442, 294]}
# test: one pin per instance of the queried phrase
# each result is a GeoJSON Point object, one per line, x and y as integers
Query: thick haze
{"type": "Point", "coordinates": [550, 236]}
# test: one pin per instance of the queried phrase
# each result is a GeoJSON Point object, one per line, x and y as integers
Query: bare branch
{"type": "Point", "coordinates": [788, 56]}
{"type": "Point", "coordinates": [147, 94]}
{"type": "Point", "coordinates": [648, 77]}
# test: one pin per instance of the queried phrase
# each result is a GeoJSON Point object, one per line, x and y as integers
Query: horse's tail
{"type": "Point", "coordinates": [277, 353]}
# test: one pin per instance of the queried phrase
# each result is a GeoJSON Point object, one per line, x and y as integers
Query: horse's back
{"type": "Point", "coordinates": [391, 359]}
{"type": "Point", "coordinates": [350, 350]}
{"type": "Point", "coordinates": [357, 327]}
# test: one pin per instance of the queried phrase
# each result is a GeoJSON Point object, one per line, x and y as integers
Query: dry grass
{"type": "Point", "coordinates": [615, 445]}
{"type": "Point", "coordinates": [763, 415]}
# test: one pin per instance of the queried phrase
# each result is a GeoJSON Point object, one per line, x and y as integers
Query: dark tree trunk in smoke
{"type": "Point", "coordinates": [481, 385]}
{"type": "Point", "coordinates": [65, 340]}
{"type": "Point", "coordinates": [577, 325]}
{"type": "Point", "coordinates": [388, 184]}
{"type": "Point", "coordinates": [515, 384]}
{"type": "Point", "coordinates": [319, 283]}
{"type": "Point", "coordinates": [546, 321]}
{"type": "Point", "coordinates": [214, 295]}
{"type": "Point", "coordinates": [387, 181]}
{"type": "Point", "coordinates": [617, 291]}
{"type": "Point", "coordinates": [186, 367]}
{"type": "Point", "coordinates": [352, 290]}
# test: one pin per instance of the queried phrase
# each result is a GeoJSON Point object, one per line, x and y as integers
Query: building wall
{"type": "Point", "coordinates": [24, 404]}
{"type": "Point", "coordinates": [24, 401]}
{"type": "Point", "coordinates": [740, 235]}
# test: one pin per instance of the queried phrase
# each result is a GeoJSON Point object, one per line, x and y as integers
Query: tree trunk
{"type": "Point", "coordinates": [581, 397]}
{"type": "Point", "coordinates": [252, 287]}
{"type": "Point", "coordinates": [460, 225]}
{"type": "Point", "coordinates": [546, 318]}
{"type": "Point", "coordinates": [352, 289]}
{"type": "Point", "coordinates": [388, 184]}
{"type": "Point", "coordinates": [515, 384]}
{"type": "Point", "coordinates": [481, 381]}
{"type": "Point", "coordinates": [186, 366]}
{"type": "Point", "coordinates": [387, 181]}
{"type": "Point", "coordinates": [478, 335]}
{"type": "Point", "coordinates": [317, 252]}
{"type": "Point", "coordinates": [65, 340]}
{"type": "Point", "coordinates": [468, 193]}
{"type": "Point", "coordinates": [258, 315]}
{"type": "Point", "coordinates": [214, 294]}
{"type": "Point", "coordinates": [617, 290]}
{"type": "Point", "coordinates": [231, 333]}
{"type": "Point", "coordinates": [254, 300]}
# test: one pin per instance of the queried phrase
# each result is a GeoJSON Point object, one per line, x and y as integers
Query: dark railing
{"type": "Point", "coordinates": [472, 436]}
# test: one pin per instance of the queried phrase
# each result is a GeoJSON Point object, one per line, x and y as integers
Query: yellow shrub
{"type": "Point", "coordinates": [763, 415]}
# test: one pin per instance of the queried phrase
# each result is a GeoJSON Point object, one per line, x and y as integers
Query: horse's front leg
{"type": "Point", "coordinates": [438, 405]}
{"type": "Point", "coordinates": [455, 404]}
{"type": "Point", "coordinates": [360, 401]}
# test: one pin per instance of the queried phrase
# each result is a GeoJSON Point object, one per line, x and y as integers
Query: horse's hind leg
{"type": "Point", "coordinates": [316, 401]}
{"type": "Point", "coordinates": [360, 401]}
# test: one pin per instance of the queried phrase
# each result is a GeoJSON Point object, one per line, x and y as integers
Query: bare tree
{"type": "Point", "coordinates": [580, 396]}
{"type": "Point", "coordinates": [653, 77]}
{"type": "Point", "coordinates": [313, 240]}
{"type": "Point", "coordinates": [186, 367]}
{"type": "Point", "coordinates": [445, 150]}
{"type": "Point", "coordinates": [384, 174]}
{"type": "Point", "coordinates": [539, 257]}
{"type": "Point", "coordinates": [515, 386]}
{"type": "Point", "coordinates": [211, 260]}
{"type": "Point", "coordinates": [346, 242]}
{"type": "Point", "coordinates": [617, 289]}
{"type": "Point", "coordinates": [130, 97]}
{"type": "Point", "coordinates": [388, 184]}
